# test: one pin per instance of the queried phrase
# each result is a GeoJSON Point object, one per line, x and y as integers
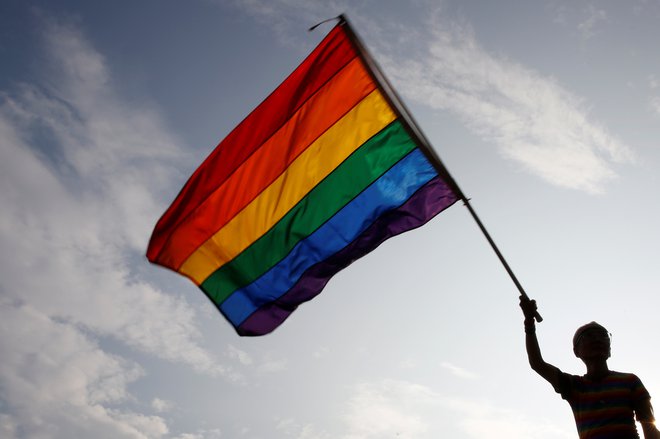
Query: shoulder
{"type": "Point", "coordinates": [624, 377]}
{"type": "Point", "coordinates": [567, 384]}
{"type": "Point", "coordinates": [629, 380]}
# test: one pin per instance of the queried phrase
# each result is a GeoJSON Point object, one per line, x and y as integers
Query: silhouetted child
{"type": "Point", "coordinates": [604, 403]}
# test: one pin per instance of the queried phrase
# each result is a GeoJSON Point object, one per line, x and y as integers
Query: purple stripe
{"type": "Point", "coordinates": [426, 203]}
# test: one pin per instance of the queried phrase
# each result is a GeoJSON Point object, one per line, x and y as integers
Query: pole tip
{"type": "Point", "coordinates": [340, 18]}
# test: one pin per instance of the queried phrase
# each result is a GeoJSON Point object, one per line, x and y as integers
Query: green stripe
{"type": "Point", "coordinates": [357, 172]}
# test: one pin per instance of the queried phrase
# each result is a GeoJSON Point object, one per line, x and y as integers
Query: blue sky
{"type": "Point", "coordinates": [546, 113]}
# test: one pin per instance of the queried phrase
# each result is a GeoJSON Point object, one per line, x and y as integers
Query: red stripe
{"type": "Point", "coordinates": [330, 56]}
{"type": "Point", "coordinates": [319, 113]}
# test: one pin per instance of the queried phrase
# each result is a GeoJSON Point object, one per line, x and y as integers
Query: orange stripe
{"type": "Point", "coordinates": [325, 61]}
{"type": "Point", "coordinates": [331, 103]}
{"type": "Point", "coordinates": [312, 166]}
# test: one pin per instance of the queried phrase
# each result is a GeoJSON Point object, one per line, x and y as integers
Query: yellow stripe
{"type": "Point", "coordinates": [367, 118]}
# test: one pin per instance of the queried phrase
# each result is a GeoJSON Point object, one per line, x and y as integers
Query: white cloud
{"type": "Point", "coordinates": [293, 429]}
{"type": "Point", "coordinates": [584, 19]}
{"type": "Point", "coordinates": [237, 354]}
{"type": "Point", "coordinates": [272, 365]}
{"type": "Point", "coordinates": [533, 120]}
{"type": "Point", "coordinates": [8, 427]}
{"type": "Point", "coordinates": [458, 371]}
{"type": "Point", "coordinates": [654, 100]}
{"type": "Point", "coordinates": [201, 434]}
{"type": "Point", "coordinates": [655, 105]}
{"type": "Point", "coordinates": [321, 352]}
{"type": "Point", "coordinates": [81, 172]}
{"type": "Point", "coordinates": [388, 409]}
{"type": "Point", "coordinates": [479, 418]}
{"type": "Point", "coordinates": [391, 408]}
{"type": "Point", "coordinates": [161, 405]}
{"type": "Point", "coordinates": [77, 211]}
{"type": "Point", "coordinates": [283, 15]}
{"type": "Point", "coordinates": [408, 363]}
{"type": "Point", "coordinates": [264, 363]}
{"type": "Point", "coordinates": [593, 17]}
{"type": "Point", "coordinates": [147, 426]}
{"type": "Point", "coordinates": [57, 382]}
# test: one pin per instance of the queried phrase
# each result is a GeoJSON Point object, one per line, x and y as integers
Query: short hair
{"type": "Point", "coordinates": [581, 330]}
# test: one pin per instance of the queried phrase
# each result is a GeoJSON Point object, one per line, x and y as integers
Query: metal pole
{"type": "Point", "coordinates": [414, 130]}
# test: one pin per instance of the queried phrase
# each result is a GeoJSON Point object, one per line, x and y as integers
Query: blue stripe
{"type": "Point", "coordinates": [388, 192]}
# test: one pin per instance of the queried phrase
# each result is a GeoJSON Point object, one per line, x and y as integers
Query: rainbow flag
{"type": "Point", "coordinates": [319, 174]}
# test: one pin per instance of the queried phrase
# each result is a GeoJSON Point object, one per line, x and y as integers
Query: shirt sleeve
{"type": "Point", "coordinates": [564, 385]}
{"type": "Point", "coordinates": [642, 402]}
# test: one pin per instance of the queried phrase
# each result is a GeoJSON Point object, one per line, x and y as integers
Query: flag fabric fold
{"type": "Point", "coordinates": [322, 172]}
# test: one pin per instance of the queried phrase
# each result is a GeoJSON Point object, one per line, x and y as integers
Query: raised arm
{"type": "Point", "coordinates": [549, 372]}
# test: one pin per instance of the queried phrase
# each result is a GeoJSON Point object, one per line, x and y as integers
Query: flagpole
{"type": "Point", "coordinates": [402, 111]}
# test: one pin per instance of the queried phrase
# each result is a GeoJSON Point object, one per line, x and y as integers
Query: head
{"type": "Point", "coordinates": [592, 341]}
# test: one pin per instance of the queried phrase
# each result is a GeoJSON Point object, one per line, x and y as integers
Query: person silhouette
{"type": "Point", "coordinates": [605, 403]}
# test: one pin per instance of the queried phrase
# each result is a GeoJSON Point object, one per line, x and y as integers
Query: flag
{"type": "Point", "coordinates": [323, 171]}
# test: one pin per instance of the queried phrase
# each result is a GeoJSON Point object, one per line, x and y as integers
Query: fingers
{"type": "Point", "coordinates": [528, 306]}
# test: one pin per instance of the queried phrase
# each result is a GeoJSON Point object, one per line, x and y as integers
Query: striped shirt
{"type": "Point", "coordinates": [606, 408]}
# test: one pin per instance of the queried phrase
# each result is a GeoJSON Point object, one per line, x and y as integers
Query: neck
{"type": "Point", "coordinates": [597, 369]}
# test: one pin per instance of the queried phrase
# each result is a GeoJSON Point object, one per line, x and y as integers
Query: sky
{"type": "Point", "coordinates": [547, 114]}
